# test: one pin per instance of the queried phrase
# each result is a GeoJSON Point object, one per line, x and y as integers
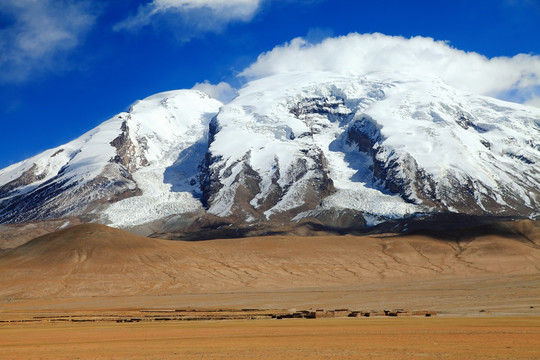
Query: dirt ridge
{"type": "Point", "coordinates": [95, 260]}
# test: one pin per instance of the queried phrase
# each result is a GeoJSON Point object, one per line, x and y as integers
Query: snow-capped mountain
{"type": "Point", "coordinates": [143, 157]}
{"type": "Point", "coordinates": [384, 144]}
{"type": "Point", "coordinates": [344, 149]}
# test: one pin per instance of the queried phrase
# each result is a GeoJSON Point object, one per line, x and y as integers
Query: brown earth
{"type": "Point", "coordinates": [13, 235]}
{"type": "Point", "coordinates": [92, 266]}
{"type": "Point", "coordinates": [407, 338]}
{"type": "Point", "coordinates": [483, 284]}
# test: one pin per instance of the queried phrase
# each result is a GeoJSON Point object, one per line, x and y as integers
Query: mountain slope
{"type": "Point", "coordinates": [125, 156]}
{"type": "Point", "coordinates": [95, 260]}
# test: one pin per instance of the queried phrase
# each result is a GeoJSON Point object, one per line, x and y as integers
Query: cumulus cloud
{"type": "Point", "coordinates": [192, 17]}
{"type": "Point", "coordinates": [222, 91]}
{"type": "Point", "coordinates": [367, 53]}
{"type": "Point", "coordinates": [39, 34]}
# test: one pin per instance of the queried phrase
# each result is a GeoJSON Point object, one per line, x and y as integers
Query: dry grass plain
{"type": "Point", "coordinates": [381, 338]}
{"type": "Point", "coordinates": [485, 289]}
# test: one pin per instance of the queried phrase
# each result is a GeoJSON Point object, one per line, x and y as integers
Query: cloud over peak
{"type": "Point", "coordinates": [222, 91]}
{"type": "Point", "coordinates": [191, 16]}
{"type": "Point", "coordinates": [367, 53]}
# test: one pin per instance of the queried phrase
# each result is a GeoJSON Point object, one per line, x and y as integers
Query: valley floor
{"type": "Point", "coordinates": [501, 295]}
{"type": "Point", "coordinates": [359, 338]}
{"type": "Point", "coordinates": [73, 294]}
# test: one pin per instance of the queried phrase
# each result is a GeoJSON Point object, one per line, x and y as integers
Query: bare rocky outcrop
{"type": "Point", "coordinates": [29, 176]}
{"type": "Point", "coordinates": [57, 198]}
{"type": "Point", "coordinates": [61, 196]}
{"type": "Point", "coordinates": [237, 187]}
{"type": "Point", "coordinates": [400, 174]}
{"type": "Point", "coordinates": [126, 152]}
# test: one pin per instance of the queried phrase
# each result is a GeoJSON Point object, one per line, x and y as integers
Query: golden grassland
{"type": "Point", "coordinates": [348, 338]}
{"type": "Point", "coordinates": [484, 288]}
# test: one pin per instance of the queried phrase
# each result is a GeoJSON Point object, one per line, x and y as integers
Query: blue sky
{"type": "Point", "coordinates": [66, 66]}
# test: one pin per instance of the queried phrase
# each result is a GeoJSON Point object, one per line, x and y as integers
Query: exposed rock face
{"type": "Point", "coordinates": [58, 198]}
{"type": "Point", "coordinates": [126, 150]}
{"type": "Point", "coordinates": [249, 188]}
{"type": "Point", "coordinates": [332, 107]}
{"type": "Point", "coordinates": [27, 177]}
{"type": "Point", "coordinates": [401, 174]}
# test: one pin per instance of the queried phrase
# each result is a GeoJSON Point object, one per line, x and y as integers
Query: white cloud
{"type": "Point", "coordinates": [228, 9]}
{"type": "Point", "coordinates": [192, 17]}
{"type": "Point", "coordinates": [367, 53]}
{"type": "Point", "coordinates": [222, 91]}
{"type": "Point", "coordinates": [534, 101]}
{"type": "Point", "coordinates": [40, 33]}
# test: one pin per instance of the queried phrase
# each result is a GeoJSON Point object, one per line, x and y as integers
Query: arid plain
{"type": "Point", "coordinates": [68, 294]}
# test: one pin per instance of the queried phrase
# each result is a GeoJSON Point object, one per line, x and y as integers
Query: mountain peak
{"type": "Point", "coordinates": [86, 175]}
{"type": "Point", "coordinates": [347, 150]}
